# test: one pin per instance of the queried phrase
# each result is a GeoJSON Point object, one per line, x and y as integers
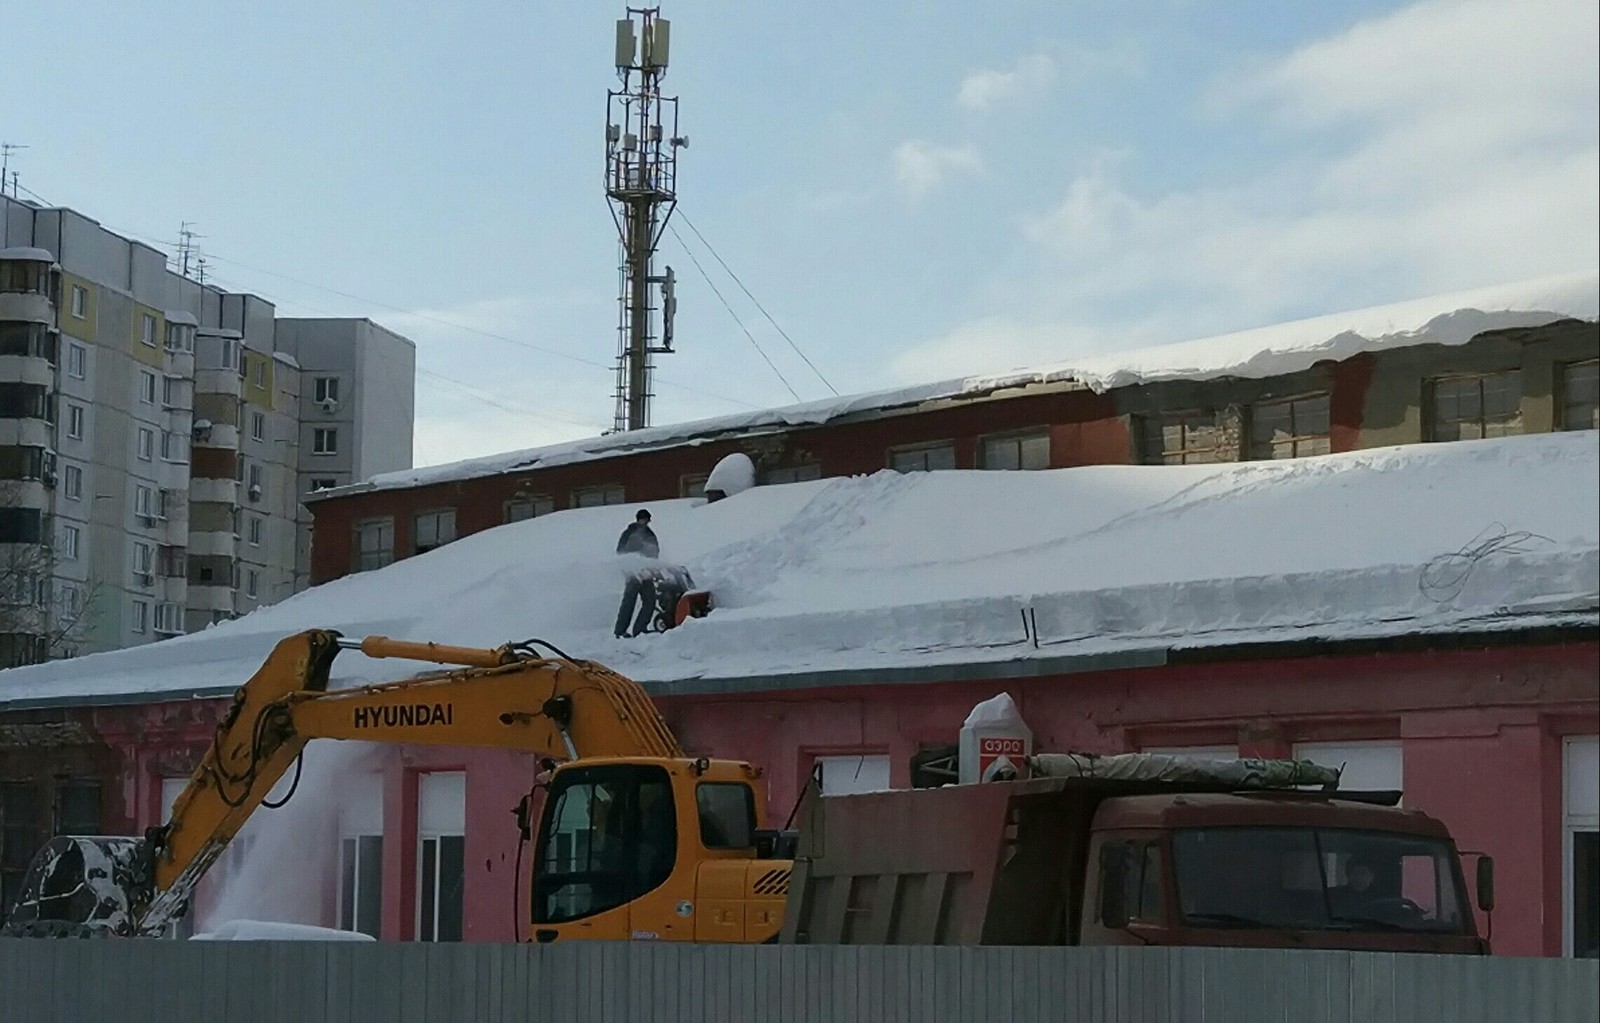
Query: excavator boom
{"type": "Point", "coordinates": [510, 697]}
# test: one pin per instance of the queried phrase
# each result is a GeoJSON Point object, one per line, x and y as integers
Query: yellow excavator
{"type": "Point", "coordinates": [636, 839]}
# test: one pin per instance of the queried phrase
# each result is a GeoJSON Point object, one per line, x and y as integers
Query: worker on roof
{"type": "Point", "coordinates": [639, 538]}
{"type": "Point", "coordinates": [640, 541]}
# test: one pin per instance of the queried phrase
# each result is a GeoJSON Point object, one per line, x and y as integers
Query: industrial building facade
{"type": "Point", "coordinates": [154, 439]}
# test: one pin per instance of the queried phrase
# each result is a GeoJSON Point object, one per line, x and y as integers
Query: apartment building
{"type": "Point", "coordinates": [152, 463]}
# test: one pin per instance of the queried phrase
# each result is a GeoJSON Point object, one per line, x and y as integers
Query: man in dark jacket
{"type": "Point", "coordinates": [639, 539]}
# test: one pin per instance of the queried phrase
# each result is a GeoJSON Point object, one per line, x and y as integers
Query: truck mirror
{"type": "Point", "coordinates": [1114, 885]}
{"type": "Point", "coordinates": [1486, 883]}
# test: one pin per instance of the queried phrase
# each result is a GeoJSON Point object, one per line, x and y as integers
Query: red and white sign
{"type": "Point", "coordinates": [1000, 755]}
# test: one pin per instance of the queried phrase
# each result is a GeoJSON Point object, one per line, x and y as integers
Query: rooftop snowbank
{"type": "Point", "coordinates": [911, 571]}
{"type": "Point", "coordinates": [1265, 351]}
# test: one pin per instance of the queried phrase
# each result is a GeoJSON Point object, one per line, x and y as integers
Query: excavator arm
{"type": "Point", "coordinates": [510, 697]}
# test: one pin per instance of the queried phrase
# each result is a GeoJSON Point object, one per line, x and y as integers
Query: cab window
{"type": "Point", "coordinates": [607, 837]}
{"type": "Point", "coordinates": [727, 815]}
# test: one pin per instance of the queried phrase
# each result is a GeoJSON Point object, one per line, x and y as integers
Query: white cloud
{"type": "Point", "coordinates": [984, 89]}
{"type": "Point", "coordinates": [922, 167]}
{"type": "Point", "coordinates": [1443, 146]}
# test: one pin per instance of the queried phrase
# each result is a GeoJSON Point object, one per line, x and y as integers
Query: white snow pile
{"type": "Point", "coordinates": [1451, 319]}
{"type": "Point", "coordinates": [272, 930]}
{"type": "Point", "coordinates": [909, 571]}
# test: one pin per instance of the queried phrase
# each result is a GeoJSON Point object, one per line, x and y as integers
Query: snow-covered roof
{"type": "Point", "coordinates": [28, 254]}
{"type": "Point", "coordinates": [1262, 352]}
{"type": "Point", "coordinates": [183, 318]}
{"type": "Point", "coordinates": [923, 575]}
{"type": "Point", "coordinates": [287, 359]}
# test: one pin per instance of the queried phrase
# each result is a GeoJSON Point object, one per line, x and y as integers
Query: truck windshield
{"type": "Point", "coordinates": [1317, 879]}
{"type": "Point", "coordinates": [607, 836]}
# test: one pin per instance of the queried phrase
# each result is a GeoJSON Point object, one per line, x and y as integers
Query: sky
{"type": "Point", "coordinates": [910, 192]}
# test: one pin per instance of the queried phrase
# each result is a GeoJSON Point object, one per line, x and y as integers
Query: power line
{"type": "Point", "coordinates": [731, 313]}
{"type": "Point", "coordinates": [685, 218]}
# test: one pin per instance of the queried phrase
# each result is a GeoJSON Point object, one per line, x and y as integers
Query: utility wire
{"type": "Point", "coordinates": [731, 313]}
{"type": "Point", "coordinates": [709, 248]}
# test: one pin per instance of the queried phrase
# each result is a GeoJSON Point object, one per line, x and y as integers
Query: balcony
{"type": "Point", "coordinates": [177, 363]}
{"type": "Point", "coordinates": [28, 306]}
{"type": "Point", "coordinates": [210, 597]}
{"type": "Point", "coordinates": [208, 434]}
{"type": "Point", "coordinates": [28, 433]}
{"type": "Point", "coordinates": [27, 369]}
{"type": "Point", "coordinates": [172, 475]}
{"type": "Point", "coordinates": [218, 381]}
{"type": "Point", "coordinates": [223, 544]}
{"type": "Point", "coordinates": [211, 491]}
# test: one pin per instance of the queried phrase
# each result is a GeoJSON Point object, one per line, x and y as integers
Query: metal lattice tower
{"type": "Point", "coordinates": [642, 144]}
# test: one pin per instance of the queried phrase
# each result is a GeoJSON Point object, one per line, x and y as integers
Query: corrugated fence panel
{"type": "Point", "coordinates": [346, 982]}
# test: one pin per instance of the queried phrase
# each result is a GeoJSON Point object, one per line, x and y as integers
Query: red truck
{"type": "Point", "coordinates": [1135, 849]}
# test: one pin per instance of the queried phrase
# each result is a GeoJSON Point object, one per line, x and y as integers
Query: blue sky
{"type": "Point", "coordinates": [912, 191]}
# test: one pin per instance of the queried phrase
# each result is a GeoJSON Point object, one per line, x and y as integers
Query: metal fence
{"type": "Point", "coordinates": [146, 981]}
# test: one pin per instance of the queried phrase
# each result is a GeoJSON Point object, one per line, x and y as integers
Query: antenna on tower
{"type": "Point", "coordinates": [186, 246]}
{"type": "Point", "coordinates": [6, 149]}
{"type": "Point", "coordinates": [642, 144]}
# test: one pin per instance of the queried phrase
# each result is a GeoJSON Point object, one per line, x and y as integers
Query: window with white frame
{"type": "Point", "coordinates": [255, 531]}
{"type": "Point", "coordinates": [71, 540]}
{"type": "Point", "coordinates": [76, 416]}
{"type": "Point", "coordinates": [261, 372]}
{"type": "Point", "coordinates": [252, 583]}
{"type": "Point", "coordinates": [79, 302]}
{"type": "Point", "coordinates": [72, 482]}
{"type": "Point", "coordinates": [1581, 845]}
{"type": "Point", "coordinates": [1367, 766]}
{"type": "Point", "coordinates": [923, 457]}
{"type": "Point", "coordinates": [147, 387]}
{"type": "Point", "coordinates": [147, 329]}
{"type": "Point", "coordinates": [171, 392]}
{"type": "Point", "coordinates": [140, 620]}
{"type": "Point", "coordinates": [1579, 386]}
{"type": "Point", "coordinates": [433, 529]}
{"type": "Point", "coordinates": [1182, 438]}
{"type": "Point", "coordinates": [1474, 407]}
{"type": "Point", "coordinates": [256, 476]}
{"type": "Point", "coordinates": [146, 443]}
{"type": "Point", "coordinates": [258, 426]}
{"type": "Point", "coordinates": [144, 501]}
{"type": "Point", "coordinates": [1290, 428]}
{"type": "Point", "coordinates": [840, 775]}
{"type": "Point", "coordinates": [169, 618]}
{"type": "Point", "coordinates": [441, 862]}
{"type": "Point", "coordinates": [361, 854]}
{"type": "Point", "coordinates": [693, 485]}
{"type": "Point", "coordinates": [595, 497]}
{"type": "Point", "coordinates": [520, 508]}
{"type": "Point", "coordinates": [374, 546]}
{"type": "Point", "coordinates": [324, 440]}
{"type": "Point", "coordinates": [77, 360]}
{"type": "Point", "coordinates": [325, 389]}
{"type": "Point", "coordinates": [1017, 451]}
{"type": "Point", "coordinates": [143, 558]}
{"type": "Point", "coordinates": [174, 447]}
{"type": "Point", "coordinates": [323, 484]}
{"type": "Point", "coordinates": [791, 473]}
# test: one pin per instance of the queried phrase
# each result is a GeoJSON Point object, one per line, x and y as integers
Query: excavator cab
{"type": "Point", "coordinates": [655, 849]}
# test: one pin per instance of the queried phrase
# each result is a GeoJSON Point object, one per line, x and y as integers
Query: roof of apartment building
{"type": "Point", "coordinates": [1452, 319]}
{"type": "Point", "coordinates": [967, 574]}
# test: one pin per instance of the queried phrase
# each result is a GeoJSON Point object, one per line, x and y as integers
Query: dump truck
{"type": "Point", "coordinates": [633, 839]}
{"type": "Point", "coordinates": [1135, 849]}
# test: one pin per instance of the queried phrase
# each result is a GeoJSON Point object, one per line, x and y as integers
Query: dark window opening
{"type": "Point", "coordinates": [607, 837]}
{"type": "Point", "coordinates": [727, 815]}
{"type": "Point", "coordinates": [1586, 894]}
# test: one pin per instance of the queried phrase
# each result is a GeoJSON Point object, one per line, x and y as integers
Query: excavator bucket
{"type": "Point", "coordinates": [80, 887]}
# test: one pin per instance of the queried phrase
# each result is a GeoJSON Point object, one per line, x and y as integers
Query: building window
{"type": "Point", "coordinates": [323, 484]}
{"type": "Point", "coordinates": [791, 473]}
{"type": "Point", "coordinates": [1017, 451]}
{"type": "Point", "coordinates": [1182, 438]}
{"type": "Point", "coordinates": [1581, 841]}
{"type": "Point", "coordinates": [28, 340]}
{"type": "Point", "coordinates": [374, 543]}
{"type": "Point", "coordinates": [75, 417]}
{"type": "Point", "coordinates": [80, 301]}
{"type": "Point", "coordinates": [692, 486]}
{"type": "Point", "coordinates": [255, 532]}
{"type": "Point", "coordinates": [72, 482]}
{"type": "Point", "coordinates": [169, 619]}
{"type": "Point", "coordinates": [255, 478]}
{"type": "Point", "coordinates": [441, 863]}
{"type": "Point", "coordinates": [434, 529]}
{"type": "Point", "coordinates": [147, 387]}
{"type": "Point", "coordinates": [141, 617]}
{"type": "Point", "coordinates": [71, 538]}
{"type": "Point", "coordinates": [326, 390]}
{"type": "Point", "coordinates": [146, 443]}
{"type": "Point", "coordinates": [261, 372]}
{"type": "Point", "coordinates": [324, 441]}
{"type": "Point", "coordinates": [147, 329]}
{"type": "Point", "coordinates": [847, 774]}
{"type": "Point", "coordinates": [594, 497]}
{"type": "Point", "coordinates": [24, 277]}
{"type": "Point", "coordinates": [258, 426]}
{"type": "Point", "coordinates": [174, 447]}
{"type": "Point", "coordinates": [923, 458]}
{"type": "Point", "coordinates": [1367, 766]}
{"type": "Point", "coordinates": [1471, 408]}
{"type": "Point", "coordinates": [171, 391]}
{"type": "Point", "coordinates": [361, 855]}
{"type": "Point", "coordinates": [1580, 395]}
{"type": "Point", "coordinates": [77, 360]}
{"type": "Point", "coordinates": [144, 502]}
{"type": "Point", "coordinates": [1291, 428]}
{"type": "Point", "coordinates": [252, 581]}
{"type": "Point", "coordinates": [521, 508]}
{"type": "Point", "coordinates": [143, 558]}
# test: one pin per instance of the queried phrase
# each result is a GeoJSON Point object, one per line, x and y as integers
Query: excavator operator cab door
{"type": "Point", "coordinates": [604, 859]}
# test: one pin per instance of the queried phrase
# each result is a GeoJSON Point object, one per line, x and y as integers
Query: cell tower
{"type": "Point", "coordinates": [642, 144]}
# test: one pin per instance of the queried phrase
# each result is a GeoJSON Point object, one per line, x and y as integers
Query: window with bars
{"type": "Point", "coordinates": [434, 529]}
{"type": "Point", "coordinates": [791, 473]}
{"type": "Point", "coordinates": [595, 497]}
{"type": "Point", "coordinates": [1474, 407]}
{"type": "Point", "coordinates": [1290, 428]}
{"type": "Point", "coordinates": [374, 543]}
{"type": "Point", "coordinates": [519, 508]}
{"type": "Point", "coordinates": [923, 458]}
{"type": "Point", "coordinates": [1017, 451]}
{"type": "Point", "coordinates": [1182, 438]}
{"type": "Point", "coordinates": [1580, 395]}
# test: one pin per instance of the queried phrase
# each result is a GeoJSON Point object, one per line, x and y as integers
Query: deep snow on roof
{"type": "Point", "coordinates": [893, 571]}
{"type": "Point", "coordinates": [1261, 352]}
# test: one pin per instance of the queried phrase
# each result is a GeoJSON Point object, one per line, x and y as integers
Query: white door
{"type": "Point", "coordinates": [441, 862]}
{"type": "Point", "coordinates": [361, 854]}
{"type": "Point", "coordinates": [1368, 766]}
{"type": "Point", "coordinates": [1580, 835]}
